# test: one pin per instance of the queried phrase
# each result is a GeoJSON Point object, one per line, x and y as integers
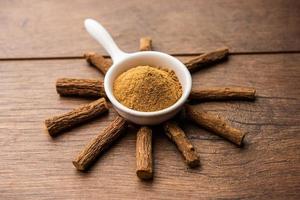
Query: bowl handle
{"type": "Point", "coordinates": [99, 33]}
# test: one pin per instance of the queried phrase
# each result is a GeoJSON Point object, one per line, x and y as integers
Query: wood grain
{"type": "Point", "coordinates": [34, 166]}
{"type": "Point", "coordinates": [35, 28]}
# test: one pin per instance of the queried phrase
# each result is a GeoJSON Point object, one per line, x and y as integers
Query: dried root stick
{"type": "Point", "coordinates": [90, 88]}
{"type": "Point", "coordinates": [207, 58]}
{"type": "Point", "coordinates": [98, 61]}
{"type": "Point", "coordinates": [176, 134]}
{"type": "Point", "coordinates": [223, 93]}
{"type": "Point", "coordinates": [215, 124]}
{"type": "Point", "coordinates": [57, 124]}
{"type": "Point", "coordinates": [93, 149]}
{"type": "Point", "coordinates": [144, 168]}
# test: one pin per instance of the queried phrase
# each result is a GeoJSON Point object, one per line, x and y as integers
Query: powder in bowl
{"type": "Point", "coordinates": [146, 88]}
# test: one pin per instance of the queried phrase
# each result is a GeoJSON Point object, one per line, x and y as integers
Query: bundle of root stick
{"type": "Point", "coordinates": [93, 89]}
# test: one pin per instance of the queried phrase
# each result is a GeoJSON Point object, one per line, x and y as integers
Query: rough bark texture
{"type": "Point", "coordinates": [223, 93]}
{"type": "Point", "coordinates": [207, 58]}
{"type": "Point", "coordinates": [57, 124]}
{"type": "Point", "coordinates": [176, 134]}
{"type": "Point", "coordinates": [215, 124]}
{"type": "Point", "coordinates": [144, 169]}
{"type": "Point", "coordinates": [145, 44]}
{"type": "Point", "coordinates": [98, 61]}
{"type": "Point", "coordinates": [93, 149]}
{"type": "Point", "coordinates": [80, 87]}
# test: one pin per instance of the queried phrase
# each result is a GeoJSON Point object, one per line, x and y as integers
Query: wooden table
{"type": "Point", "coordinates": [41, 41]}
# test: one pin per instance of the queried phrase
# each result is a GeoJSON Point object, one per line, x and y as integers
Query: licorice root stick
{"type": "Point", "coordinates": [145, 44]}
{"type": "Point", "coordinates": [57, 124]}
{"type": "Point", "coordinates": [215, 124]}
{"type": "Point", "coordinates": [144, 163]}
{"type": "Point", "coordinates": [80, 87]}
{"type": "Point", "coordinates": [93, 149]}
{"type": "Point", "coordinates": [98, 61]}
{"type": "Point", "coordinates": [207, 58]}
{"type": "Point", "coordinates": [176, 134]}
{"type": "Point", "coordinates": [223, 93]}
{"type": "Point", "coordinates": [144, 168]}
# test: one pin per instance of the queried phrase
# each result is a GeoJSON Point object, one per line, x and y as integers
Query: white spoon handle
{"type": "Point", "coordinates": [99, 33]}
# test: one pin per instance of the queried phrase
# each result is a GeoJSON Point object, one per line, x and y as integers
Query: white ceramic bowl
{"type": "Point", "coordinates": [124, 61]}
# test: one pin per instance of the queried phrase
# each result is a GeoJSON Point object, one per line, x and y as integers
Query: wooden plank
{"type": "Point", "coordinates": [34, 166]}
{"type": "Point", "coordinates": [36, 28]}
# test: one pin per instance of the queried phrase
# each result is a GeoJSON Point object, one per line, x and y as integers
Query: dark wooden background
{"type": "Point", "coordinates": [41, 41]}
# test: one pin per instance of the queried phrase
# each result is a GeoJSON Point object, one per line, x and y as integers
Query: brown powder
{"type": "Point", "coordinates": [147, 89]}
